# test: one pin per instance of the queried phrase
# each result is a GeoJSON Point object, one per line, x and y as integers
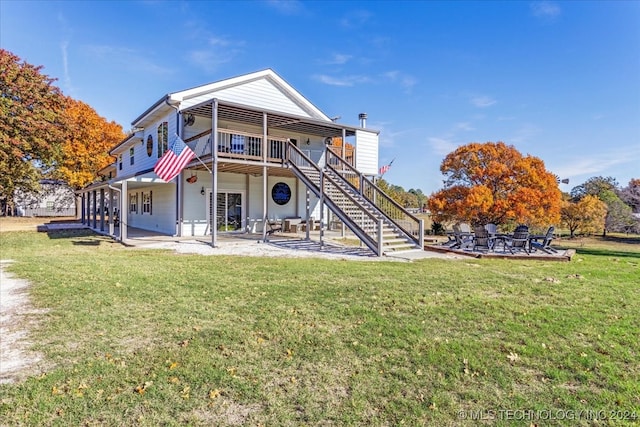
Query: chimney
{"type": "Point", "coordinates": [363, 120]}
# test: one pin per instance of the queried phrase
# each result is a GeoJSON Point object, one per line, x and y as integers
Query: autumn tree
{"type": "Point", "coordinates": [619, 215]}
{"type": "Point", "coordinates": [586, 215]}
{"type": "Point", "coordinates": [494, 183]}
{"type": "Point", "coordinates": [31, 126]}
{"type": "Point", "coordinates": [86, 147]}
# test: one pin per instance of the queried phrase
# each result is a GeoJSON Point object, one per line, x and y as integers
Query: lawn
{"type": "Point", "coordinates": [148, 337]}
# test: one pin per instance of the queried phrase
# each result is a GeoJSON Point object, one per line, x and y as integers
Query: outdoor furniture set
{"type": "Point", "coordinates": [486, 238]}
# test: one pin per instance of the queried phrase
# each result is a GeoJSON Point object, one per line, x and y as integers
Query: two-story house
{"type": "Point", "coordinates": [263, 154]}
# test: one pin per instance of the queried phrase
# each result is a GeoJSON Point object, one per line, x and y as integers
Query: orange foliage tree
{"type": "Point", "coordinates": [494, 183]}
{"type": "Point", "coordinates": [586, 215]}
{"type": "Point", "coordinates": [86, 148]}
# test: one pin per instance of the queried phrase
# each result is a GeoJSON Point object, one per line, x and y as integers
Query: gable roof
{"type": "Point", "coordinates": [260, 90]}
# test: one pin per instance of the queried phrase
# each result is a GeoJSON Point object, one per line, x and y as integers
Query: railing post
{"type": "Point", "coordinates": [421, 238]}
{"type": "Point", "coordinates": [380, 237]}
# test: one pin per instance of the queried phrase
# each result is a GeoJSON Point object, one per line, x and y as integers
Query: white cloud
{"type": "Point", "coordinates": [524, 134]}
{"type": "Point", "coordinates": [126, 58]}
{"type": "Point", "coordinates": [482, 101]}
{"type": "Point", "coordinates": [356, 19]}
{"type": "Point", "coordinates": [405, 80]}
{"type": "Point", "coordinates": [338, 59]}
{"type": "Point", "coordinates": [341, 81]}
{"type": "Point", "coordinates": [545, 10]}
{"type": "Point", "coordinates": [466, 126]}
{"type": "Point", "coordinates": [442, 146]}
{"type": "Point", "coordinates": [286, 7]}
{"type": "Point", "coordinates": [218, 51]}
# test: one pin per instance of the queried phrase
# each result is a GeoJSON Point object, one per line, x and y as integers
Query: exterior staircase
{"type": "Point", "coordinates": [376, 219]}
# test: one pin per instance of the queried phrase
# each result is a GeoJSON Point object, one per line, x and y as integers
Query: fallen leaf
{"type": "Point", "coordinates": [512, 357]}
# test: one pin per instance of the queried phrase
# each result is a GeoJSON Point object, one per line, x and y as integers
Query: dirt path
{"type": "Point", "coordinates": [17, 315]}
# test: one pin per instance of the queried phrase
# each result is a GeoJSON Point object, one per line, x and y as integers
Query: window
{"type": "Point", "coordinates": [133, 203]}
{"type": "Point", "coordinates": [50, 206]}
{"type": "Point", "coordinates": [131, 155]}
{"type": "Point", "coordinates": [163, 138]}
{"type": "Point", "coordinates": [149, 145]}
{"type": "Point", "coordinates": [120, 162]}
{"type": "Point", "coordinates": [146, 202]}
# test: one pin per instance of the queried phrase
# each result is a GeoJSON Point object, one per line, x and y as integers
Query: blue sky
{"type": "Point", "coordinates": [558, 80]}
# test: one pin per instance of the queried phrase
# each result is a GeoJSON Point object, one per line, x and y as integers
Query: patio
{"type": "Point", "coordinates": [486, 242]}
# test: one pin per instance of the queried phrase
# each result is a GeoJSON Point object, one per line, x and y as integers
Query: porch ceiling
{"type": "Point", "coordinates": [275, 120]}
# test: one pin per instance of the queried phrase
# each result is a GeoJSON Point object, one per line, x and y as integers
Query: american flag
{"type": "Point", "coordinates": [385, 169]}
{"type": "Point", "coordinates": [174, 160]}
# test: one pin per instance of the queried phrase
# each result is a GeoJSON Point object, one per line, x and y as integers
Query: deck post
{"type": "Point", "coordinates": [421, 238]}
{"type": "Point", "coordinates": [308, 208]}
{"type": "Point", "coordinates": [214, 173]}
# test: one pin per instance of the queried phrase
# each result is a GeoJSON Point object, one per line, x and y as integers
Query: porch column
{"type": "Point", "coordinates": [95, 209]}
{"type": "Point", "coordinates": [82, 212]}
{"type": "Point", "coordinates": [111, 211]}
{"type": "Point", "coordinates": [214, 173]}
{"type": "Point", "coordinates": [124, 210]}
{"type": "Point", "coordinates": [102, 209]}
{"type": "Point", "coordinates": [179, 183]}
{"type": "Point", "coordinates": [308, 208]}
{"type": "Point", "coordinates": [265, 183]}
{"type": "Point", "coordinates": [265, 213]}
{"type": "Point", "coordinates": [179, 203]}
{"type": "Point", "coordinates": [88, 209]}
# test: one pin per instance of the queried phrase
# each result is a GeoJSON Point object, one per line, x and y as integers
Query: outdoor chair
{"type": "Point", "coordinates": [462, 236]}
{"type": "Point", "coordinates": [543, 242]}
{"type": "Point", "coordinates": [482, 240]}
{"type": "Point", "coordinates": [517, 242]}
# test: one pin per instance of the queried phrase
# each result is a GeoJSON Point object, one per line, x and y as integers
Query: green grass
{"type": "Point", "coordinates": [148, 337]}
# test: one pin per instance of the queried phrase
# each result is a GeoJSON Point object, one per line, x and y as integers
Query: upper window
{"type": "Point", "coordinates": [120, 162]}
{"type": "Point", "coordinates": [163, 138]}
{"type": "Point", "coordinates": [132, 153]}
{"type": "Point", "coordinates": [149, 145]}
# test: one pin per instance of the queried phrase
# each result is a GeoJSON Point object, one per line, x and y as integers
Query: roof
{"type": "Point", "coordinates": [186, 98]}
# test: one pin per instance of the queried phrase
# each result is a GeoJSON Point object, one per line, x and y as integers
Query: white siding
{"type": "Point", "coordinates": [258, 94]}
{"type": "Point", "coordinates": [142, 160]}
{"type": "Point", "coordinates": [162, 216]}
{"type": "Point", "coordinates": [367, 152]}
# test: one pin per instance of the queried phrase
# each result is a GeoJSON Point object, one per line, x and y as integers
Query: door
{"type": "Point", "coordinates": [229, 211]}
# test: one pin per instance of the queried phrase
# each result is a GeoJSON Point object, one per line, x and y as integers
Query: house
{"type": "Point", "coordinates": [264, 154]}
{"type": "Point", "coordinates": [54, 199]}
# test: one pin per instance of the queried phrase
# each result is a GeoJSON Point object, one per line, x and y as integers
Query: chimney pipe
{"type": "Point", "coordinates": [363, 120]}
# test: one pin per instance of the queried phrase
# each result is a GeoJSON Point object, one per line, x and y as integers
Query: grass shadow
{"type": "Point", "coordinates": [607, 253]}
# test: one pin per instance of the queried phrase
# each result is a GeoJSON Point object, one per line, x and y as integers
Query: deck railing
{"type": "Point", "coordinates": [240, 145]}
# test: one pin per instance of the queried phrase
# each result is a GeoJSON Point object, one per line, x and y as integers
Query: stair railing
{"type": "Point", "coordinates": [412, 226]}
{"type": "Point", "coordinates": [368, 228]}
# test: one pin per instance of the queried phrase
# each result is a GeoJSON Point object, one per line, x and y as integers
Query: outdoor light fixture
{"type": "Point", "coordinates": [202, 191]}
{"type": "Point", "coordinates": [308, 142]}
